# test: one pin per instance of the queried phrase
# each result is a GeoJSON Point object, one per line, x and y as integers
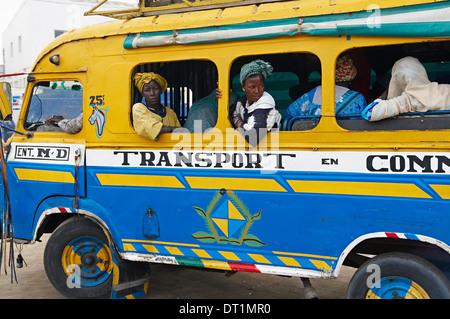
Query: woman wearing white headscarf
{"type": "Point", "coordinates": [409, 90]}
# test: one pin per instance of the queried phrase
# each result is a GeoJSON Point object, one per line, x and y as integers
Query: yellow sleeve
{"type": "Point", "coordinates": [171, 118]}
{"type": "Point", "coordinates": [146, 123]}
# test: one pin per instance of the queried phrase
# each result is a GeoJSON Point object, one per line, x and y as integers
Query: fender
{"type": "Point", "coordinates": [64, 205]}
{"type": "Point", "coordinates": [409, 236]}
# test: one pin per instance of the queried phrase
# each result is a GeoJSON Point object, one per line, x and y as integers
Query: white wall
{"type": "Point", "coordinates": [33, 27]}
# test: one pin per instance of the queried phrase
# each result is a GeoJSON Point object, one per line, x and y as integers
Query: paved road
{"type": "Point", "coordinates": [175, 282]}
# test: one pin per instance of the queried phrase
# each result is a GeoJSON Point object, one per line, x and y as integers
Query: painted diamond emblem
{"type": "Point", "coordinates": [227, 220]}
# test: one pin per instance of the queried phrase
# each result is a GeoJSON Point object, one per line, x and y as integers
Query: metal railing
{"type": "Point", "coordinates": [157, 7]}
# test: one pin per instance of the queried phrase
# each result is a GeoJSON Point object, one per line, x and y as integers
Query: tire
{"type": "Point", "coordinates": [78, 260]}
{"type": "Point", "coordinates": [398, 276]}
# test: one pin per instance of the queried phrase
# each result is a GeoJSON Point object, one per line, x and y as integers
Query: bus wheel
{"type": "Point", "coordinates": [398, 276]}
{"type": "Point", "coordinates": [78, 260]}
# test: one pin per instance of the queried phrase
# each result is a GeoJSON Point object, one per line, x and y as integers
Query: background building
{"type": "Point", "coordinates": [35, 24]}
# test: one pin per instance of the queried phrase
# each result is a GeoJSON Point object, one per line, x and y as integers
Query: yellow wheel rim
{"type": "Point", "coordinates": [396, 288]}
{"type": "Point", "coordinates": [87, 261]}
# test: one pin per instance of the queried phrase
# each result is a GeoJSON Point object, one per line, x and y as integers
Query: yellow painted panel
{"type": "Point", "coordinates": [359, 188]}
{"type": "Point", "coordinates": [229, 255]}
{"type": "Point", "coordinates": [320, 264]}
{"type": "Point", "coordinates": [174, 250]}
{"type": "Point", "coordinates": [44, 176]}
{"type": "Point", "coordinates": [151, 249]}
{"type": "Point", "coordinates": [201, 253]}
{"type": "Point", "coordinates": [233, 212]}
{"type": "Point", "coordinates": [259, 259]}
{"type": "Point", "coordinates": [158, 242]}
{"type": "Point", "coordinates": [139, 180]}
{"type": "Point", "coordinates": [303, 255]}
{"type": "Point", "coordinates": [128, 247]}
{"type": "Point", "coordinates": [223, 225]}
{"type": "Point", "coordinates": [289, 261]}
{"type": "Point", "coordinates": [442, 190]}
{"type": "Point", "coordinates": [255, 184]}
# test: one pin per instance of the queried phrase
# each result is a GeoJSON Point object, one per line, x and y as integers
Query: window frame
{"type": "Point", "coordinates": [190, 98]}
{"type": "Point", "coordinates": [413, 121]}
{"type": "Point", "coordinates": [31, 88]}
{"type": "Point", "coordinates": [303, 79]}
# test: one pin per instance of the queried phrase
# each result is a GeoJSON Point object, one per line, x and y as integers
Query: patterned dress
{"type": "Point", "coordinates": [309, 105]}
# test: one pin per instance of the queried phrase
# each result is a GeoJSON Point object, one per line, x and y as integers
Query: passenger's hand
{"type": "Point", "coordinates": [218, 93]}
{"type": "Point", "coordinates": [237, 121]}
{"type": "Point", "coordinates": [54, 120]}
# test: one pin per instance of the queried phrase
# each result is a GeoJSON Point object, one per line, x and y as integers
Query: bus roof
{"type": "Point", "coordinates": [315, 17]}
{"type": "Point", "coordinates": [159, 7]}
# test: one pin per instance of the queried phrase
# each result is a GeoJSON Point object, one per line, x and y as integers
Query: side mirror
{"type": "Point", "coordinates": [5, 100]}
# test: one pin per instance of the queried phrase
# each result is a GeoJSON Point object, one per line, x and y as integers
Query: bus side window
{"type": "Point", "coordinates": [416, 67]}
{"type": "Point", "coordinates": [56, 106]}
{"type": "Point", "coordinates": [294, 74]}
{"type": "Point", "coordinates": [190, 93]}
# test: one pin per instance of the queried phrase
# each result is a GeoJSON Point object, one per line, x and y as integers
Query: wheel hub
{"type": "Point", "coordinates": [396, 288]}
{"type": "Point", "coordinates": [87, 260]}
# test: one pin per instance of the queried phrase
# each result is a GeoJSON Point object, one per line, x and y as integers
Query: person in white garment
{"type": "Point", "coordinates": [409, 90]}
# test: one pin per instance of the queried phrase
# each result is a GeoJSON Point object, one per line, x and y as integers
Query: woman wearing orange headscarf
{"type": "Point", "coordinates": [151, 118]}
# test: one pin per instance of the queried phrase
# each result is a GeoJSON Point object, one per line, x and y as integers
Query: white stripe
{"type": "Point", "coordinates": [437, 15]}
{"type": "Point", "coordinates": [274, 270]}
{"type": "Point", "coordinates": [46, 153]}
{"type": "Point", "coordinates": [297, 272]}
{"type": "Point", "coordinates": [398, 163]}
{"type": "Point", "coordinates": [142, 42]}
{"type": "Point", "coordinates": [207, 36]}
{"type": "Point", "coordinates": [233, 34]}
{"type": "Point", "coordinates": [433, 241]}
{"type": "Point", "coordinates": [149, 258]}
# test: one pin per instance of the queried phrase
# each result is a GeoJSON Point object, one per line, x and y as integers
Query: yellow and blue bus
{"type": "Point", "coordinates": [321, 192]}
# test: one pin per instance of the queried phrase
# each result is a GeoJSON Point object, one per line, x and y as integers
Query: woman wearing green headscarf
{"type": "Point", "coordinates": [151, 118]}
{"type": "Point", "coordinates": [255, 111]}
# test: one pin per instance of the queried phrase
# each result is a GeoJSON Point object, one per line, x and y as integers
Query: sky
{"type": "Point", "coordinates": [8, 9]}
